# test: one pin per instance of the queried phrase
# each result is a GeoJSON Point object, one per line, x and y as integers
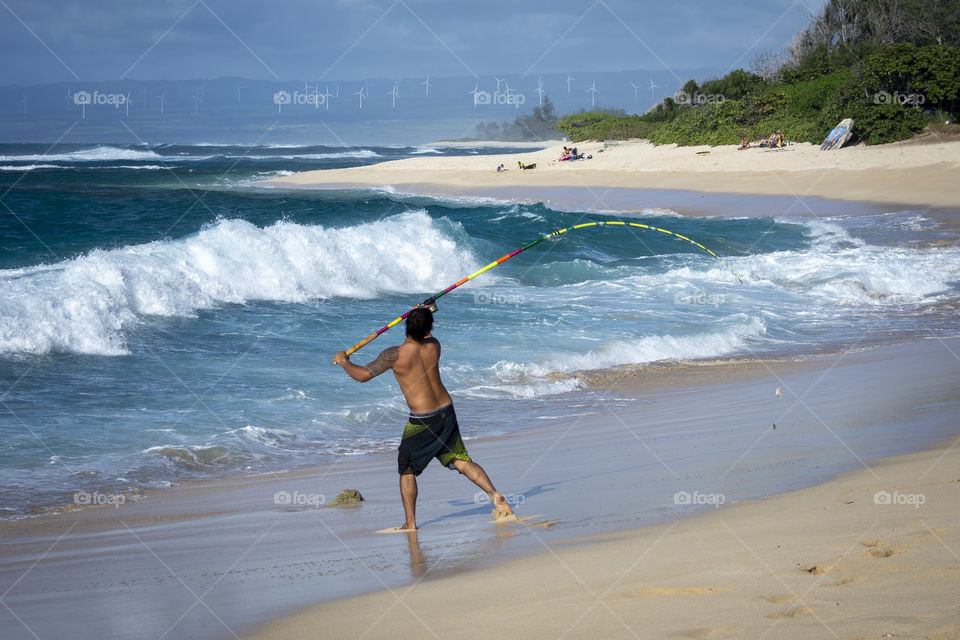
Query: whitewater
{"type": "Point", "coordinates": [148, 336]}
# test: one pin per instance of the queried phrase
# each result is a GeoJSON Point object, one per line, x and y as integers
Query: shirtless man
{"type": "Point", "coordinates": [432, 430]}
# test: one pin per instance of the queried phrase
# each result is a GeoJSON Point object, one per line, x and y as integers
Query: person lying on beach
{"type": "Point", "coordinates": [432, 430]}
{"type": "Point", "coordinates": [526, 166]}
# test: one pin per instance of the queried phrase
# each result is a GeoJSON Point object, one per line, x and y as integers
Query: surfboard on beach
{"type": "Point", "coordinates": [838, 136]}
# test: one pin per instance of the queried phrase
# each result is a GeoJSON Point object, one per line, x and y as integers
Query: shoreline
{"type": "Point", "coordinates": [830, 558]}
{"type": "Point", "coordinates": [602, 475]}
{"type": "Point", "coordinates": [921, 175]}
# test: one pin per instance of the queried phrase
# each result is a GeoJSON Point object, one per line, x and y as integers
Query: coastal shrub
{"type": "Point", "coordinates": [736, 84]}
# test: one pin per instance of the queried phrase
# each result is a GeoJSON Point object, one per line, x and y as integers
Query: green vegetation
{"type": "Point", "coordinates": [891, 65]}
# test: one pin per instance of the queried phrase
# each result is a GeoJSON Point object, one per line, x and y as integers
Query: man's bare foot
{"type": "Point", "coordinates": [500, 507]}
{"type": "Point", "coordinates": [408, 527]}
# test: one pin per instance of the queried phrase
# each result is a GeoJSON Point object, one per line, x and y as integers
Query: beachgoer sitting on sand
{"type": "Point", "coordinates": [500, 168]}
{"type": "Point", "coordinates": [744, 143]}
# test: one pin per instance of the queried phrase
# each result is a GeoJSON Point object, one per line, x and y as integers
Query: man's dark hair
{"type": "Point", "coordinates": [419, 323]}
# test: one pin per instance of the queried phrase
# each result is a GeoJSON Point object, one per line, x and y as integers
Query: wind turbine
{"type": "Point", "coordinates": [198, 99]}
{"type": "Point", "coordinates": [144, 96]}
{"type": "Point", "coordinates": [636, 87]}
{"type": "Point", "coordinates": [239, 86]}
{"type": "Point", "coordinates": [162, 98]}
{"type": "Point", "coordinates": [426, 83]}
{"type": "Point", "coordinates": [652, 87]}
{"type": "Point", "coordinates": [593, 94]}
{"type": "Point", "coordinates": [326, 98]}
{"type": "Point", "coordinates": [394, 93]}
{"type": "Point", "coordinates": [24, 103]}
{"type": "Point", "coordinates": [69, 98]}
{"type": "Point", "coordinates": [570, 79]}
{"type": "Point", "coordinates": [499, 80]}
{"type": "Point", "coordinates": [540, 90]}
{"type": "Point", "coordinates": [362, 93]}
{"type": "Point", "coordinates": [126, 104]}
{"type": "Point", "coordinates": [475, 93]}
{"type": "Point", "coordinates": [338, 91]}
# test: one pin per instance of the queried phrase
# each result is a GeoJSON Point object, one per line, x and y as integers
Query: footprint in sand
{"type": "Point", "coordinates": [817, 569]}
{"type": "Point", "coordinates": [779, 599]}
{"type": "Point", "coordinates": [841, 582]}
{"type": "Point", "coordinates": [876, 549]}
{"type": "Point", "coordinates": [654, 592]}
{"type": "Point", "coordinates": [792, 613]}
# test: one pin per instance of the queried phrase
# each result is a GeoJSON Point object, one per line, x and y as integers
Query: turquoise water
{"type": "Point", "coordinates": [164, 318]}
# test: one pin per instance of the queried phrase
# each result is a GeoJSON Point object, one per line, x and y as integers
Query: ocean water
{"type": "Point", "coordinates": [164, 317]}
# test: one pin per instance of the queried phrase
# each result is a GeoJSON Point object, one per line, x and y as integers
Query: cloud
{"type": "Point", "coordinates": [380, 38]}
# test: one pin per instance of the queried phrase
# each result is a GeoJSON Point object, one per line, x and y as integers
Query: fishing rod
{"type": "Point", "coordinates": [432, 300]}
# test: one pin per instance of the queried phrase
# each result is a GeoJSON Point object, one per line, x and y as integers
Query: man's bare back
{"type": "Point", "coordinates": [416, 365]}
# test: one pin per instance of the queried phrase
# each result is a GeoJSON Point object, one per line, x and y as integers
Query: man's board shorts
{"type": "Point", "coordinates": [431, 435]}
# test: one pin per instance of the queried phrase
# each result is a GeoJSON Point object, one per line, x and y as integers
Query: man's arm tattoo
{"type": "Point", "coordinates": [384, 361]}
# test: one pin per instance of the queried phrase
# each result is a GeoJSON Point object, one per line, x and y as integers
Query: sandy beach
{"type": "Point", "coordinates": [904, 173]}
{"type": "Point", "coordinates": [624, 539]}
{"type": "Point", "coordinates": [871, 554]}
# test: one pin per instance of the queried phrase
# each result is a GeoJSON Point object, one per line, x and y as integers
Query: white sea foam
{"type": "Point", "coordinates": [84, 305]}
{"type": "Point", "coordinates": [640, 351]}
{"type": "Point", "coordinates": [28, 167]}
{"type": "Point", "coordinates": [97, 154]}
{"type": "Point", "coordinates": [359, 153]}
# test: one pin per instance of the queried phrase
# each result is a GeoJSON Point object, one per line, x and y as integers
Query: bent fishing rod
{"type": "Point", "coordinates": [432, 300]}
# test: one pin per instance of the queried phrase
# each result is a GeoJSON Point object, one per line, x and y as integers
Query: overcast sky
{"type": "Point", "coordinates": [67, 40]}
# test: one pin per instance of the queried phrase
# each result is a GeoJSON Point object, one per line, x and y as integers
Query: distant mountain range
{"type": "Point", "coordinates": [239, 110]}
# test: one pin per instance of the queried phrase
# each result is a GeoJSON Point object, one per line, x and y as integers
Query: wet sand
{"type": "Point", "coordinates": [215, 559]}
